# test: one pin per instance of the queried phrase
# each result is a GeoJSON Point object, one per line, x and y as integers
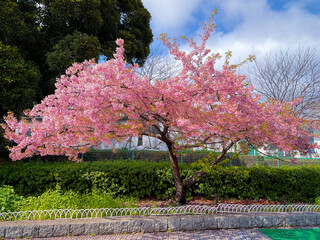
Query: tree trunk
{"type": "Point", "coordinates": [182, 187]}
{"type": "Point", "coordinates": [180, 197]}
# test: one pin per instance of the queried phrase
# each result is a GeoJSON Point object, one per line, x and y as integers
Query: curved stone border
{"type": "Point", "coordinates": [116, 225]}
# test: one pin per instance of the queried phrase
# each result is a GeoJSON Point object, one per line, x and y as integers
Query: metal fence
{"type": "Point", "coordinates": [303, 161]}
{"type": "Point", "coordinates": [158, 156]}
{"type": "Point", "coordinates": [239, 208]}
{"type": "Point", "coordinates": [184, 157]}
{"type": "Point", "coordinates": [104, 212]}
{"type": "Point", "coordinates": [147, 211]}
{"type": "Point", "coordinates": [190, 157]}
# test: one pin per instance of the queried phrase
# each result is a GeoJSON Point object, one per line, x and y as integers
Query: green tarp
{"type": "Point", "coordinates": [294, 234]}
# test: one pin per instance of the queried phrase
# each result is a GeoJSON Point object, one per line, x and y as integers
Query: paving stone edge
{"type": "Point", "coordinates": [112, 225]}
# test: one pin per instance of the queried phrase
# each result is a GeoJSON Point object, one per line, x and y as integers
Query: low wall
{"type": "Point", "coordinates": [116, 225]}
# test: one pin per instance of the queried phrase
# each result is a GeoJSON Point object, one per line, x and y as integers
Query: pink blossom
{"type": "Point", "coordinates": [201, 105]}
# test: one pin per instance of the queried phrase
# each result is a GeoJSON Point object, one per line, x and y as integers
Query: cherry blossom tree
{"type": "Point", "coordinates": [200, 107]}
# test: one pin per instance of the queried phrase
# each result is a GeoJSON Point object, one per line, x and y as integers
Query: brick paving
{"type": "Point", "coordinates": [230, 234]}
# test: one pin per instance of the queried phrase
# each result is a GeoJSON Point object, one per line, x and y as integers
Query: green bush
{"type": "Point", "coordinates": [9, 200]}
{"type": "Point", "coordinates": [287, 184]}
{"type": "Point", "coordinates": [150, 179]}
{"type": "Point", "coordinates": [56, 199]}
{"type": "Point", "coordinates": [130, 178]}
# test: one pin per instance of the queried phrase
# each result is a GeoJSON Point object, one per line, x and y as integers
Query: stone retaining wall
{"type": "Point", "coordinates": [102, 226]}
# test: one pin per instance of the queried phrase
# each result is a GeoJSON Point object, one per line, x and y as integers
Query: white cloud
{"type": "Point", "coordinates": [252, 25]}
{"type": "Point", "coordinates": [262, 29]}
{"type": "Point", "coordinates": [170, 15]}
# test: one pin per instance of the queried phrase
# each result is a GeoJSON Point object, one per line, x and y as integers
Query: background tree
{"type": "Point", "coordinates": [19, 26]}
{"type": "Point", "coordinates": [105, 19]}
{"type": "Point", "coordinates": [285, 75]}
{"type": "Point", "coordinates": [36, 27]}
{"type": "Point", "coordinates": [18, 81]}
{"type": "Point", "coordinates": [73, 48]}
{"type": "Point", "coordinates": [200, 107]}
{"type": "Point", "coordinates": [158, 66]}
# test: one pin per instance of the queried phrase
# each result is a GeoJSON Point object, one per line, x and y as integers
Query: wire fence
{"type": "Point", "coordinates": [144, 155]}
{"type": "Point", "coordinates": [105, 212]}
{"type": "Point", "coordinates": [231, 159]}
{"type": "Point", "coordinates": [148, 211]}
{"type": "Point", "coordinates": [187, 157]}
{"type": "Point", "coordinates": [239, 208]}
{"type": "Point", "coordinates": [286, 161]}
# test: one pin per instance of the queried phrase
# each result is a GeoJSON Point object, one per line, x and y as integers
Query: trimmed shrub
{"type": "Point", "coordinates": [150, 179]}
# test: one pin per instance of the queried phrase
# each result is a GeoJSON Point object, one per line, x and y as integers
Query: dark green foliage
{"type": "Point", "coordinates": [4, 152]}
{"type": "Point", "coordinates": [105, 19]}
{"type": "Point", "coordinates": [19, 27]}
{"type": "Point", "coordinates": [37, 27]}
{"type": "Point", "coordinates": [18, 81]}
{"type": "Point", "coordinates": [151, 179]}
{"type": "Point", "coordinates": [136, 179]}
{"type": "Point", "coordinates": [73, 48]}
{"type": "Point", "coordinates": [292, 184]}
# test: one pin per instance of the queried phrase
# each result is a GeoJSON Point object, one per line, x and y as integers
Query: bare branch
{"type": "Point", "coordinates": [158, 66]}
{"type": "Point", "coordinates": [285, 75]}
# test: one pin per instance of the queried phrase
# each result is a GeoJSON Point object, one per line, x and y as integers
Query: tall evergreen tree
{"type": "Point", "coordinates": [37, 28]}
{"type": "Point", "coordinates": [18, 81]}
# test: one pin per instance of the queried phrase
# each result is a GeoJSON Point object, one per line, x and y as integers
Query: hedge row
{"type": "Point", "coordinates": [145, 179]}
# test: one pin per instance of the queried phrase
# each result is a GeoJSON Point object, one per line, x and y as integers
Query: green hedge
{"type": "Point", "coordinates": [145, 179]}
{"type": "Point", "coordinates": [137, 179]}
{"type": "Point", "coordinates": [292, 184]}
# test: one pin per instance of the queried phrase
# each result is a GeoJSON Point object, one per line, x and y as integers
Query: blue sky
{"type": "Point", "coordinates": [244, 26]}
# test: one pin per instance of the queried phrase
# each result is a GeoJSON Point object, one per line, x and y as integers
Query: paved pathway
{"type": "Point", "coordinates": [231, 234]}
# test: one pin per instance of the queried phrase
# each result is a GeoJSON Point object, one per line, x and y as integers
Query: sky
{"type": "Point", "coordinates": [243, 26]}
